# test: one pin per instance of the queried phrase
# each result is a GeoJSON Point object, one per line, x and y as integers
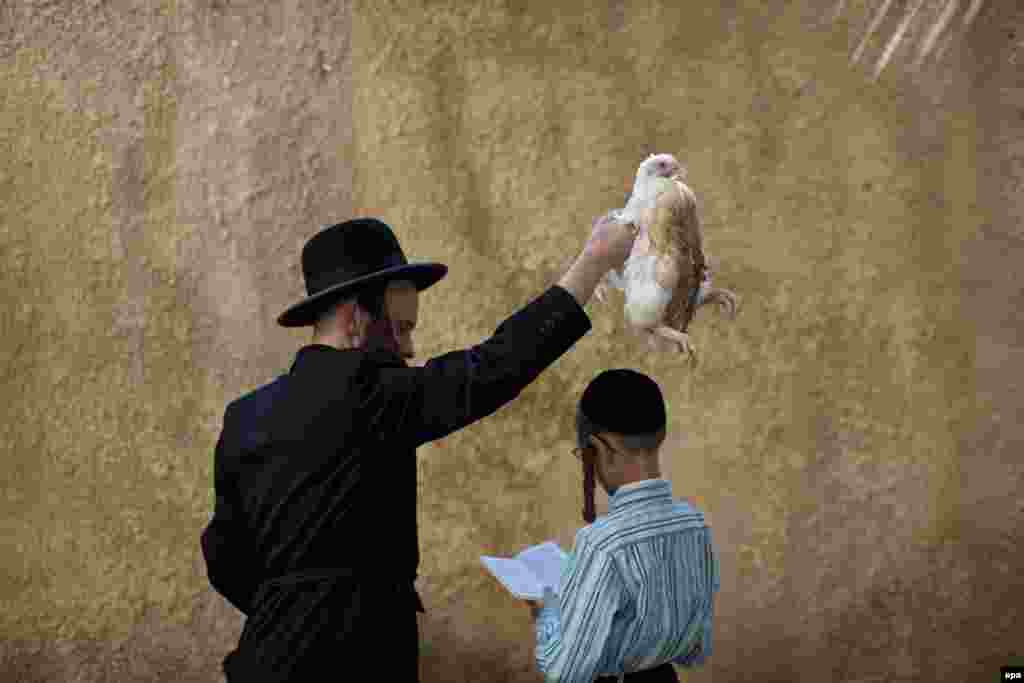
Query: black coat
{"type": "Point", "coordinates": [315, 476]}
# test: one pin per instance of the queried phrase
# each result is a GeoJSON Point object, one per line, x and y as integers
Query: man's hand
{"type": "Point", "coordinates": [610, 242]}
{"type": "Point", "coordinates": [607, 248]}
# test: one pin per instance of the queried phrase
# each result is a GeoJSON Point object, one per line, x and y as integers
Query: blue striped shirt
{"type": "Point", "coordinates": [637, 590]}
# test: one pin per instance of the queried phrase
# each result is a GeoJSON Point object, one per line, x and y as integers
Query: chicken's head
{"type": "Point", "coordinates": [660, 166]}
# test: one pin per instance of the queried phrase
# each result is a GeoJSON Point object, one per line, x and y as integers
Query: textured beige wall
{"type": "Point", "coordinates": [855, 436]}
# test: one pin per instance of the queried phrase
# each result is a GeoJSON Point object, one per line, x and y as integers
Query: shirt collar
{"type": "Point", "coordinates": [310, 350]}
{"type": "Point", "coordinates": [381, 356]}
{"type": "Point", "coordinates": [644, 491]}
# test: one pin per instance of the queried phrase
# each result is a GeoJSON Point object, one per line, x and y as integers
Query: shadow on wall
{"type": "Point", "coordinates": [956, 594]}
{"type": "Point", "coordinates": [158, 648]}
{"type": "Point", "coordinates": [446, 656]}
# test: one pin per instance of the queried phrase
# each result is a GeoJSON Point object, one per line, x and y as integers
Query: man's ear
{"type": "Point", "coordinates": [353, 320]}
{"type": "Point", "coordinates": [602, 450]}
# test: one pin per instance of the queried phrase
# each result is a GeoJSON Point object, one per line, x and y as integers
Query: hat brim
{"type": "Point", "coordinates": [423, 275]}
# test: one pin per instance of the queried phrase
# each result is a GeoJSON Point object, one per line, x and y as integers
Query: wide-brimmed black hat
{"type": "Point", "coordinates": [343, 258]}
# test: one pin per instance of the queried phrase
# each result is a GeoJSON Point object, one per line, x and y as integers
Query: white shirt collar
{"type": "Point", "coordinates": [636, 484]}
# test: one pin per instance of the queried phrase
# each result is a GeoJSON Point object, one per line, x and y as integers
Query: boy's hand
{"type": "Point", "coordinates": [550, 598]}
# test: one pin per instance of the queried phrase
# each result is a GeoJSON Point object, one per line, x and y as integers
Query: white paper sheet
{"type": "Point", "coordinates": [545, 561]}
{"type": "Point", "coordinates": [528, 573]}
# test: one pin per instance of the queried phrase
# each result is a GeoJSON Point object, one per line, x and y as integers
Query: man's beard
{"type": "Point", "coordinates": [380, 336]}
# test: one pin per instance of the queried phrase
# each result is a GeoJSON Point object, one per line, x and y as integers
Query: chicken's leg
{"type": "Point", "coordinates": [681, 339]}
{"type": "Point", "coordinates": [725, 299]}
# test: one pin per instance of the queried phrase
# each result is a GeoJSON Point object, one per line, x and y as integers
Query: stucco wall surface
{"type": "Point", "coordinates": [854, 436]}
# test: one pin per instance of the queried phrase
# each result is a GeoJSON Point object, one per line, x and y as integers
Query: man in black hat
{"type": "Point", "coordinates": [638, 591]}
{"type": "Point", "coordinates": [314, 533]}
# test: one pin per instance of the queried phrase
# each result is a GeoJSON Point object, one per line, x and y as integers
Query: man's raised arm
{"type": "Point", "coordinates": [453, 390]}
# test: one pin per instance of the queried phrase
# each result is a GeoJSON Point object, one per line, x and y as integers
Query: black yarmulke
{"type": "Point", "coordinates": [624, 401]}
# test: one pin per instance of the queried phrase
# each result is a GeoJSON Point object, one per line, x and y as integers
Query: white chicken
{"type": "Point", "coordinates": [665, 278]}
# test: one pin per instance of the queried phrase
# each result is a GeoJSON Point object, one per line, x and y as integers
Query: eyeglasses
{"type": "Point", "coordinates": [578, 451]}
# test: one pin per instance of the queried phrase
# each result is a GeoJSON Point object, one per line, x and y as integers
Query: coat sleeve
{"type": "Point", "coordinates": [451, 391]}
{"type": "Point", "coordinates": [228, 555]}
{"type": "Point", "coordinates": [572, 634]}
{"type": "Point", "coordinates": [703, 649]}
